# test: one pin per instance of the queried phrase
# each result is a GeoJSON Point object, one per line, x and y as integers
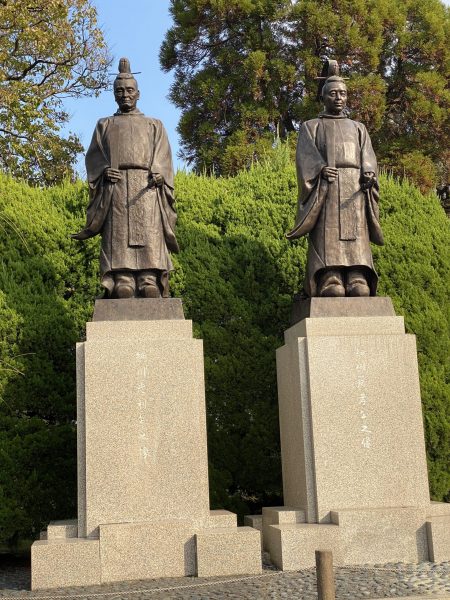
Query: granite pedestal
{"type": "Point", "coordinates": [143, 496]}
{"type": "Point", "coordinates": [353, 453]}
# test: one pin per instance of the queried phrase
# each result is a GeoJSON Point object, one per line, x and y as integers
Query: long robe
{"type": "Point", "coordinates": [136, 222]}
{"type": "Point", "coordinates": [340, 217]}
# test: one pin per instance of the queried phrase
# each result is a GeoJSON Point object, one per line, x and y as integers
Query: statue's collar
{"type": "Point", "coordinates": [328, 116]}
{"type": "Point", "coordinates": [134, 112]}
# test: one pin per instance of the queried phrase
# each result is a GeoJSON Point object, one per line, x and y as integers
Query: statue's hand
{"type": "Point", "coordinates": [368, 176]}
{"type": "Point", "coordinates": [368, 180]}
{"type": "Point", "coordinates": [329, 173]}
{"type": "Point", "coordinates": [112, 175]}
{"type": "Point", "coordinates": [156, 179]}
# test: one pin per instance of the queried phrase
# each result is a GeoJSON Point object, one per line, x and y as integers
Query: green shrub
{"type": "Point", "coordinates": [46, 288]}
{"type": "Point", "coordinates": [237, 274]}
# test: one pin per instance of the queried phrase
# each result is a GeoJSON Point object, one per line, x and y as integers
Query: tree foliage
{"type": "Point", "coordinates": [49, 50]}
{"type": "Point", "coordinates": [245, 73]}
{"type": "Point", "coordinates": [236, 274]}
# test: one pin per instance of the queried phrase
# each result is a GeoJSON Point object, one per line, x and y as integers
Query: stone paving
{"type": "Point", "coordinates": [352, 583]}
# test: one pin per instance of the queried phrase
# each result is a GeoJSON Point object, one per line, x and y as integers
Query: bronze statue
{"type": "Point", "coordinates": [338, 199]}
{"type": "Point", "coordinates": [130, 175]}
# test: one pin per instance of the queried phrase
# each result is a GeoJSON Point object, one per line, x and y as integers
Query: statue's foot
{"type": "Point", "coordinates": [147, 283]}
{"type": "Point", "coordinates": [335, 290]}
{"type": "Point", "coordinates": [357, 284]}
{"type": "Point", "coordinates": [123, 291]}
{"type": "Point", "coordinates": [358, 289]}
{"type": "Point", "coordinates": [124, 285]}
{"type": "Point", "coordinates": [332, 285]}
{"type": "Point", "coordinates": [150, 290]}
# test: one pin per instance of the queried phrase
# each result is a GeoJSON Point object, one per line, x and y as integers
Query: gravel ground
{"type": "Point", "coordinates": [352, 583]}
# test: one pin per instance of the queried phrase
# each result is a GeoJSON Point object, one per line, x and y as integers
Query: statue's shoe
{"type": "Point", "coordinates": [150, 290]}
{"type": "Point", "coordinates": [358, 288]}
{"type": "Point", "coordinates": [123, 291]}
{"type": "Point", "coordinates": [335, 290]}
{"type": "Point", "coordinates": [331, 284]}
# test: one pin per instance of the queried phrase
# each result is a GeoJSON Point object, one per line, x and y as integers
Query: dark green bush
{"type": "Point", "coordinates": [237, 275]}
{"type": "Point", "coordinates": [46, 288]}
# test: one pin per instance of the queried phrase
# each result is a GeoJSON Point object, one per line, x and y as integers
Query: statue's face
{"type": "Point", "coordinates": [334, 97]}
{"type": "Point", "coordinates": [126, 94]}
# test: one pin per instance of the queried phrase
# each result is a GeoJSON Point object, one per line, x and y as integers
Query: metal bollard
{"type": "Point", "coordinates": [325, 575]}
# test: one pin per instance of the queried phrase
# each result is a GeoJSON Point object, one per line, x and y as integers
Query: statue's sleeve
{"type": "Point", "coordinates": [369, 165]}
{"type": "Point", "coordinates": [311, 187]}
{"type": "Point", "coordinates": [368, 158]}
{"type": "Point", "coordinates": [162, 155]}
{"type": "Point", "coordinates": [309, 160]}
{"type": "Point", "coordinates": [97, 159]}
{"type": "Point", "coordinates": [162, 163]}
{"type": "Point", "coordinates": [100, 192]}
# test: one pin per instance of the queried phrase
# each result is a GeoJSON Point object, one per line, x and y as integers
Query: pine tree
{"type": "Point", "coordinates": [245, 74]}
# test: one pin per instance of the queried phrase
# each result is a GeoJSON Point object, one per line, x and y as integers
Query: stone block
{"type": "Point", "coordinates": [296, 430]}
{"type": "Point", "coordinates": [138, 309]}
{"type": "Point", "coordinates": [255, 521]}
{"type": "Point", "coordinates": [276, 515]}
{"type": "Point", "coordinates": [377, 306]}
{"type": "Point", "coordinates": [143, 497]}
{"type": "Point", "coordinates": [381, 535]}
{"type": "Point", "coordinates": [222, 518]}
{"type": "Point", "coordinates": [438, 533]}
{"type": "Point", "coordinates": [345, 327]}
{"type": "Point", "coordinates": [62, 529]}
{"type": "Point", "coordinates": [81, 442]}
{"type": "Point", "coordinates": [64, 563]}
{"type": "Point", "coordinates": [146, 551]}
{"type": "Point", "coordinates": [438, 509]}
{"type": "Point", "coordinates": [228, 551]}
{"type": "Point", "coordinates": [350, 417]}
{"type": "Point", "coordinates": [292, 546]}
{"type": "Point", "coordinates": [142, 453]}
{"type": "Point", "coordinates": [354, 536]}
{"type": "Point", "coordinates": [109, 332]}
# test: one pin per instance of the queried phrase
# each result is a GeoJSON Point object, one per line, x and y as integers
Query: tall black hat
{"type": "Point", "coordinates": [330, 72]}
{"type": "Point", "coordinates": [124, 70]}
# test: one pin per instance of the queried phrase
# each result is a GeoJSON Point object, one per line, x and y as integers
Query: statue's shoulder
{"type": "Point", "coordinates": [155, 122]}
{"type": "Point", "coordinates": [311, 123]}
{"type": "Point", "coordinates": [310, 126]}
{"type": "Point", "coordinates": [358, 124]}
{"type": "Point", "coordinates": [104, 122]}
{"type": "Point", "coordinates": [363, 134]}
{"type": "Point", "coordinates": [149, 119]}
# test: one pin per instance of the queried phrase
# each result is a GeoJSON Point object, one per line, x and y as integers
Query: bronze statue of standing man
{"type": "Point", "coordinates": [130, 175]}
{"type": "Point", "coordinates": [338, 199]}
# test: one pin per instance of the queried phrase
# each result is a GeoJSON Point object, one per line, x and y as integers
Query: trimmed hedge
{"type": "Point", "coordinates": [237, 274]}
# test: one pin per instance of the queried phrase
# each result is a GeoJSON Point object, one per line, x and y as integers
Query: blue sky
{"type": "Point", "coordinates": [135, 30]}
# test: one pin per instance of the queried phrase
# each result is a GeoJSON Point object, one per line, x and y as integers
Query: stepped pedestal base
{"type": "Point", "coordinates": [143, 495]}
{"type": "Point", "coordinates": [358, 536]}
{"type": "Point", "coordinates": [352, 442]}
{"type": "Point", "coordinates": [127, 551]}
